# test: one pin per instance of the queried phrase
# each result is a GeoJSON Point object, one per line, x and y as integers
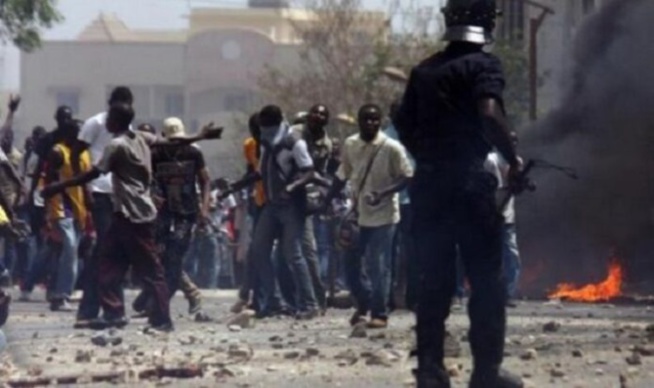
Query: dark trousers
{"type": "Point", "coordinates": [250, 281]}
{"type": "Point", "coordinates": [458, 210]}
{"type": "Point", "coordinates": [89, 307]}
{"type": "Point", "coordinates": [130, 244]}
{"type": "Point", "coordinates": [173, 239]}
{"type": "Point", "coordinates": [174, 234]}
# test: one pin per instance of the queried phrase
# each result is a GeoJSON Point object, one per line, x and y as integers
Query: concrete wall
{"type": "Point", "coordinates": [90, 70]}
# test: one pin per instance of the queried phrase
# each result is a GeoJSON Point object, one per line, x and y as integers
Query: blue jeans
{"type": "Point", "coordinates": [43, 263]}
{"type": "Point", "coordinates": [286, 221]}
{"type": "Point", "coordinates": [324, 245]}
{"type": "Point", "coordinates": [510, 258]}
{"type": "Point", "coordinates": [202, 260]}
{"type": "Point", "coordinates": [68, 259]}
{"type": "Point", "coordinates": [368, 270]}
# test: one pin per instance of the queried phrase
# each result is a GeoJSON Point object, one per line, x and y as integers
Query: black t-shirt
{"type": "Point", "coordinates": [46, 143]}
{"type": "Point", "coordinates": [439, 119]}
{"type": "Point", "coordinates": [175, 171]}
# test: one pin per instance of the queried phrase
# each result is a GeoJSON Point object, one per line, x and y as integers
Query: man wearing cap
{"type": "Point", "coordinates": [177, 172]}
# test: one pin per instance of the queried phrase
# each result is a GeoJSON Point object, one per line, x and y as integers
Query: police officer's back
{"type": "Point", "coordinates": [439, 117]}
{"type": "Point", "coordinates": [451, 117]}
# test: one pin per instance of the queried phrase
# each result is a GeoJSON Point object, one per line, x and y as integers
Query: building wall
{"type": "Point", "coordinates": [555, 42]}
{"type": "Point", "coordinates": [82, 74]}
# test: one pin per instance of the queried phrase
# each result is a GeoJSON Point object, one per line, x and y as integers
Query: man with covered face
{"type": "Point", "coordinates": [285, 168]}
{"type": "Point", "coordinates": [378, 169]}
{"type": "Point", "coordinates": [451, 117]}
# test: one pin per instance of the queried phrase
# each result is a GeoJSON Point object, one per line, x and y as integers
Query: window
{"type": "Point", "coordinates": [511, 26]}
{"type": "Point", "coordinates": [175, 104]}
{"type": "Point", "coordinates": [70, 98]}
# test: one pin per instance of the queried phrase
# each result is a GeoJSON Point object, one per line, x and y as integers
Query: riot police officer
{"type": "Point", "coordinates": [452, 115]}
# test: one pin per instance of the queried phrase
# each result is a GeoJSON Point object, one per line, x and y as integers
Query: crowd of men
{"type": "Point", "coordinates": [323, 211]}
{"type": "Point", "coordinates": [303, 185]}
{"type": "Point", "coordinates": [122, 198]}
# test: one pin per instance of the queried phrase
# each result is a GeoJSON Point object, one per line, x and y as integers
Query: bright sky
{"type": "Point", "coordinates": [156, 14]}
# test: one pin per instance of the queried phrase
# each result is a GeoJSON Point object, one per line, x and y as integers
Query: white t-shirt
{"type": "Point", "coordinates": [220, 210]}
{"type": "Point", "coordinates": [496, 165]}
{"type": "Point", "coordinates": [94, 133]}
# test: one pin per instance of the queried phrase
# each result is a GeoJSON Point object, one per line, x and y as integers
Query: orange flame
{"type": "Point", "coordinates": [611, 287]}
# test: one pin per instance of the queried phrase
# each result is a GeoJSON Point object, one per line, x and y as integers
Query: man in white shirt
{"type": "Point", "coordinates": [378, 168]}
{"type": "Point", "coordinates": [496, 165]}
{"type": "Point", "coordinates": [95, 137]}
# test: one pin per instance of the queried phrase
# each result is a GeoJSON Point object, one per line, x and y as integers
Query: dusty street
{"type": "Point", "coordinates": [550, 344]}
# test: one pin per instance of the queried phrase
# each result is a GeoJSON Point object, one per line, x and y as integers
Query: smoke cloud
{"type": "Point", "coordinates": [604, 128]}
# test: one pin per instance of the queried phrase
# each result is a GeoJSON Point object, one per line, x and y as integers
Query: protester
{"type": "Point", "coordinates": [130, 239]}
{"type": "Point", "coordinates": [32, 209]}
{"type": "Point", "coordinates": [177, 172]}
{"type": "Point", "coordinates": [10, 185]}
{"type": "Point", "coordinates": [95, 138]}
{"type": "Point", "coordinates": [67, 212]}
{"type": "Point", "coordinates": [497, 165]}
{"type": "Point", "coordinates": [250, 293]}
{"type": "Point", "coordinates": [43, 262]}
{"type": "Point", "coordinates": [378, 169]}
{"type": "Point", "coordinates": [314, 133]}
{"type": "Point", "coordinates": [286, 167]}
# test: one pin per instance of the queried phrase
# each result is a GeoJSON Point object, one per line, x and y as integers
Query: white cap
{"type": "Point", "coordinates": [173, 127]}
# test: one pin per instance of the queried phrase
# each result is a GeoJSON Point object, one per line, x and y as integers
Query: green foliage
{"type": "Point", "coordinates": [22, 21]}
{"type": "Point", "coordinates": [516, 70]}
{"type": "Point", "coordinates": [342, 59]}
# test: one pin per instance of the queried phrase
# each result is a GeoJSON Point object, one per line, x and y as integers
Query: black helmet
{"type": "Point", "coordinates": [470, 21]}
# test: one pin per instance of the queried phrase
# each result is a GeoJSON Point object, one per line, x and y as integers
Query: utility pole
{"type": "Point", "coordinates": [534, 25]}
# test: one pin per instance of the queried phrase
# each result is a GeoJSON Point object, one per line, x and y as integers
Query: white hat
{"type": "Point", "coordinates": [173, 127]}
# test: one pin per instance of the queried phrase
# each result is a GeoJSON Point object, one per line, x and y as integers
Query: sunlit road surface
{"type": "Point", "coordinates": [585, 346]}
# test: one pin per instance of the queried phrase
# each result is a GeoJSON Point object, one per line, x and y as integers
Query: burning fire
{"type": "Point", "coordinates": [607, 289]}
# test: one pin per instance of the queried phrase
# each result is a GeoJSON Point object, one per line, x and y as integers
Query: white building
{"type": "Point", "coordinates": [206, 72]}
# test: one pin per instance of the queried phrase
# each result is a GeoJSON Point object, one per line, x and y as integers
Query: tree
{"type": "Point", "coordinates": [516, 71]}
{"type": "Point", "coordinates": [343, 52]}
{"type": "Point", "coordinates": [22, 21]}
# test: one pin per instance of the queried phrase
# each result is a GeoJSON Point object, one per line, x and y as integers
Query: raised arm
{"type": "Point", "coordinates": [79, 180]}
{"type": "Point", "coordinates": [208, 132]}
{"type": "Point", "coordinates": [14, 103]}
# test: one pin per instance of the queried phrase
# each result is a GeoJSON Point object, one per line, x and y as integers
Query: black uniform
{"type": "Point", "coordinates": [454, 199]}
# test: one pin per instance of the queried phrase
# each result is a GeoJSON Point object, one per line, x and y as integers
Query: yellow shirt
{"type": "Point", "coordinates": [250, 150]}
{"type": "Point", "coordinates": [74, 201]}
{"type": "Point", "coordinates": [4, 219]}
